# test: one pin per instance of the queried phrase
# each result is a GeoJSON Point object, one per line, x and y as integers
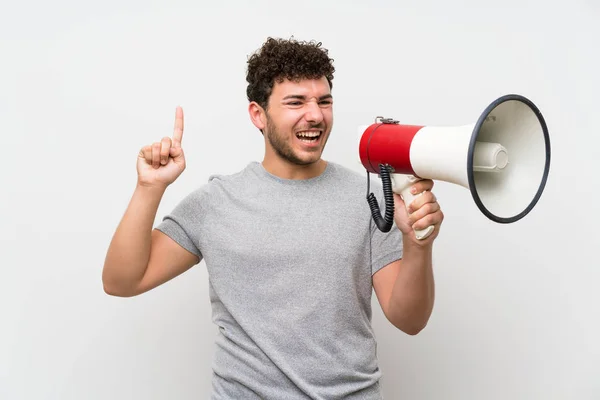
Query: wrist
{"type": "Point", "coordinates": [151, 189]}
{"type": "Point", "coordinates": [412, 244]}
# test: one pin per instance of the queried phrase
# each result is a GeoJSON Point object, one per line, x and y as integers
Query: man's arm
{"type": "Point", "coordinates": [140, 258]}
{"type": "Point", "coordinates": [405, 288]}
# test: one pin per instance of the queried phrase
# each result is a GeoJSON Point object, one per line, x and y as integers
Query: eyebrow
{"type": "Point", "coordinates": [301, 97]}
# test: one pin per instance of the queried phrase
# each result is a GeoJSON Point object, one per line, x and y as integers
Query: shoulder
{"type": "Point", "coordinates": [232, 177]}
{"type": "Point", "coordinates": [346, 173]}
{"type": "Point", "coordinates": [343, 169]}
{"type": "Point", "coordinates": [246, 177]}
{"type": "Point", "coordinates": [221, 188]}
{"type": "Point", "coordinates": [352, 178]}
{"type": "Point", "coordinates": [215, 186]}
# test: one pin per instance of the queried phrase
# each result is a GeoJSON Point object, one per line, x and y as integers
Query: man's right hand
{"type": "Point", "coordinates": [161, 163]}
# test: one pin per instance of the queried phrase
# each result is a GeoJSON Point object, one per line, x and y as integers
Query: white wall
{"type": "Point", "coordinates": [84, 86]}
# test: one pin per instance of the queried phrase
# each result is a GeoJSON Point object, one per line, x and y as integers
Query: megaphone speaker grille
{"type": "Point", "coordinates": [516, 124]}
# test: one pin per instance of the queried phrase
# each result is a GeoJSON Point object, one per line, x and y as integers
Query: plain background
{"type": "Point", "coordinates": [84, 85]}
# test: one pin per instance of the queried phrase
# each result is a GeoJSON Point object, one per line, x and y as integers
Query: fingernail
{"type": "Point", "coordinates": [413, 190]}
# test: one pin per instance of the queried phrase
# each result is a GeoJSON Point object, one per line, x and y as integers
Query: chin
{"type": "Point", "coordinates": [308, 159]}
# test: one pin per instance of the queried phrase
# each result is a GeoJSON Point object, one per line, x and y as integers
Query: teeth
{"type": "Point", "coordinates": [310, 134]}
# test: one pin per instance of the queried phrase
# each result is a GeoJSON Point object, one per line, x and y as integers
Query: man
{"type": "Point", "coordinates": [290, 246]}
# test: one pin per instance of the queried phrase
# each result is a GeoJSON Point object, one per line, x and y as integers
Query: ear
{"type": "Point", "coordinates": [257, 115]}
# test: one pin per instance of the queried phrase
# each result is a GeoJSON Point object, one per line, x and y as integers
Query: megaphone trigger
{"type": "Point", "coordinates": [401, 185]}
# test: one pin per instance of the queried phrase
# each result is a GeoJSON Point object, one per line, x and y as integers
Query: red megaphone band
{"type": "Point", "coordinates": [388, 144]}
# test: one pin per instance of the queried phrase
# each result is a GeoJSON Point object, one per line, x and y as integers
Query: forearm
{"type": "Point", "coordinates": [413, 294]}
{"type": "Point", "coordinates": [129, 251]}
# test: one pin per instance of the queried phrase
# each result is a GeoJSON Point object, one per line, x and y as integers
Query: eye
{"type": "Point", "coordinates": [294, 103]}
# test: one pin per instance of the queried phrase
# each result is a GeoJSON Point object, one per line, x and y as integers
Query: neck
{"type": "Point", "coordinates": [286, 170]}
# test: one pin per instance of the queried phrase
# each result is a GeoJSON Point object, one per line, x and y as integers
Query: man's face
{"type": "Point", "coordinates": [299, 120]}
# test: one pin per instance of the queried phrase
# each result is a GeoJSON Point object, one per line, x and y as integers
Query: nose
{"type": "Point", "coordinates": [313, 114]}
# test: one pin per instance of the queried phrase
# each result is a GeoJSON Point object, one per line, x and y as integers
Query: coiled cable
{"type": "Point", "coordinates": [384, 223]}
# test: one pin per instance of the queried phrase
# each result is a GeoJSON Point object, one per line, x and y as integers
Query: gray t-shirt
{"type": "Point", "coordinates": [290, 266]}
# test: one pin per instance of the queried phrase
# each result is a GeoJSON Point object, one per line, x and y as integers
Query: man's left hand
{"type": "Point", "coordinates": [422, 212]}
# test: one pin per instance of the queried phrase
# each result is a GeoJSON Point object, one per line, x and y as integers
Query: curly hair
{"type": "Point", "coordinates": [280, 59]}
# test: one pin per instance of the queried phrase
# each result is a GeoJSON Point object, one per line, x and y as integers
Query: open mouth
{"type": "Point", "coordinates": [309, 136]}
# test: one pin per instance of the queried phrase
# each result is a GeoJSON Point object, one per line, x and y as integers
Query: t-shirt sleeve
{"type": "Point", "coordinates": [386, 247]}
{"type": "Point", "coordinates": [183, 223]}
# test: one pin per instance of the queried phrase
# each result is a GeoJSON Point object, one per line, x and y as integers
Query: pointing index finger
{"type": "Point", "coordinates": [178, 129]}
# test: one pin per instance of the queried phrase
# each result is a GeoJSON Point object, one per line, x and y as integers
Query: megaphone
{"type": "Point", "coordinates": [503, 159]}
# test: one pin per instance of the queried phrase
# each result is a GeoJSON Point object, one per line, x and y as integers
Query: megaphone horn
{"type": "Point", "coordinates": [503, 159]}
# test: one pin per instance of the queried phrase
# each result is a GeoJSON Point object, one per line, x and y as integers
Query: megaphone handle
{"type": "Point", "coordinates": [401, 185]}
